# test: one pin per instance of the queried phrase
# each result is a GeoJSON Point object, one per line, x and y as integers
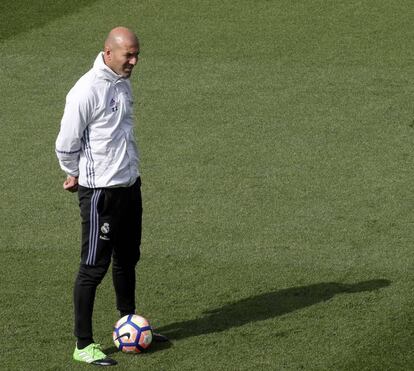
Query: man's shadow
{"type": "Point", "coordinates": [264, 306]}
{"type": "Point", "coordinates": [258, 308]}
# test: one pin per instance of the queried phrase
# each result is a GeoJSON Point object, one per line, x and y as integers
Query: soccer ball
{"type": "Point", "coordinates": [132, 334]}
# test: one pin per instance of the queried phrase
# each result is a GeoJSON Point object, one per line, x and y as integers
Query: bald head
{"type": "Point", "coordinates": [121, 51]}
{"type": "Point", "coordinates": [119, 36]}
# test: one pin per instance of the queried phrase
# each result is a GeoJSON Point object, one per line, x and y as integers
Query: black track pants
{"type": "Point", "coordinates": [111, 228]}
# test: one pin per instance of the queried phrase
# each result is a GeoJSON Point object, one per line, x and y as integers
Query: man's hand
{"type": "Point", "coordinates": [71, 184]}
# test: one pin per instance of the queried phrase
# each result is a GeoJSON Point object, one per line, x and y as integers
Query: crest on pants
{"type": "Point", "coordinates": [105, 230]}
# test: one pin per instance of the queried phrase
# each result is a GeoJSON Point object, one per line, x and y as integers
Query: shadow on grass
{"type": "Point", "coordinates": [155, 347]}
{"type": "Point", "coordinates": [265, 306]}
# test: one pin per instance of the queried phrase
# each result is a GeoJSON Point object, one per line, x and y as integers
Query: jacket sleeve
{"type": "Point", "coordinates": [76, 117]}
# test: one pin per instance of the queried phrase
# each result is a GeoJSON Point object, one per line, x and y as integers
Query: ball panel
{"type": "Point", "coordinates": [139, 320]}
{"type": "Point", "coordinates": [130, 349]}
{"type": "Point", "coordinates": [145, 338]}
{"type": "Point", "coordinates": [116, 340]}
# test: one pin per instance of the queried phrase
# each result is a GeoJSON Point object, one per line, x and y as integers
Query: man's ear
{"type": "Point", "coordinates": [107, 53]}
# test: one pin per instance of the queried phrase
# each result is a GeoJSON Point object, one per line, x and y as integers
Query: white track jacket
{"type": "Point", "coordinates": [96, 140]}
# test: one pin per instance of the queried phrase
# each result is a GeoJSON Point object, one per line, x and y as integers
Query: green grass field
{"type": "Point", "coordinates": [277, 158]}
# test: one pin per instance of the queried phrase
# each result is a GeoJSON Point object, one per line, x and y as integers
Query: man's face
{"type": "Point", "coordinates": [122, 58]}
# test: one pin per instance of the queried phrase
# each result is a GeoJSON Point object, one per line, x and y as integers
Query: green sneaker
{"type": "Point", "coordinates": [93, 354]}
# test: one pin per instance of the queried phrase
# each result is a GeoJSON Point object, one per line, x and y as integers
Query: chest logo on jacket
{"type": "Point", "coordinates": [113, 105]}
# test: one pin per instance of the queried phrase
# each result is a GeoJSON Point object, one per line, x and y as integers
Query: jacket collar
{"type": "Point", "coordinates": [104, 71]}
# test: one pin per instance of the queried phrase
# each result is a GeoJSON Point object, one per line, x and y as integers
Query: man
{"type": "Point", "coordinates": [97, 150]}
